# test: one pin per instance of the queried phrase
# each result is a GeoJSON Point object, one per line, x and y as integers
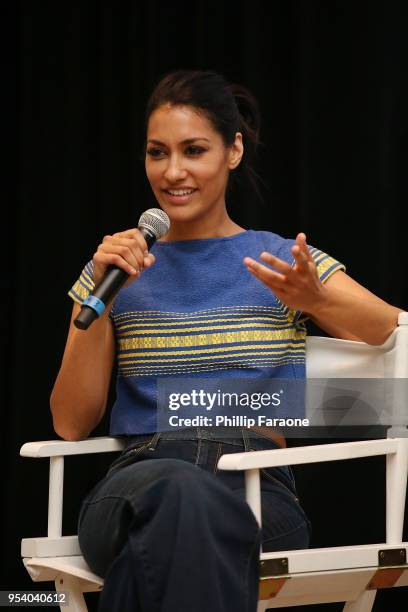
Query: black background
{"type": "Point", "coordinates": [331, 80]}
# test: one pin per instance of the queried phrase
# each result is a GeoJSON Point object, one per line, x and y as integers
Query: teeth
{"type": "Point", "coordinates": [180, 192]}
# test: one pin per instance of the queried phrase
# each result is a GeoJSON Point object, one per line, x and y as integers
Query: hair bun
{"type": "Point", "coordinates": [248, 107]}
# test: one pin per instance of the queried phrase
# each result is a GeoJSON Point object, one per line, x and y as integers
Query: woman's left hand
{"type": "Point", "coordinates": [298, 287]}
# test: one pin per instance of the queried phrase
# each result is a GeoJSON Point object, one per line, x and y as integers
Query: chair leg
{"type": "Point", "coordinates": [72, 586]}
{"type": "Point", "coordinates": [363, 603]}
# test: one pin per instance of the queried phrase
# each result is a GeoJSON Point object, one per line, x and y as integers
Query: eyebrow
{"type": "Point", "coordinates": [186, 141]}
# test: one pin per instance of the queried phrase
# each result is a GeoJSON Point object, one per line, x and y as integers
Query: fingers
{"type": "Point", "coordinates": [278, 264]}
{"type": "Point", "coordinates": [133, 234]}
{"type": "Point", "coordinates": [264, 274]}
{"type": "Point", "coordinates": [126, 250]}
{"type": "Point", "coordinates": [284, 275]}
{"type": "Point", "coordinates": [297, 285]}
{"type": "Point", "coordinates": [119, 256]}
{"type": "Point", "coordinates": [123, 252]}
{"type": "Point", "coordinates": [300, 250]}
{"type": "Point", "coordinates": [148, 260]}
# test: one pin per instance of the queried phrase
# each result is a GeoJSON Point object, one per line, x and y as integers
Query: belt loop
{"type": "Point", "coordinates": [245, 439]}
{"type": "Point", "coordinates": [154, 441]}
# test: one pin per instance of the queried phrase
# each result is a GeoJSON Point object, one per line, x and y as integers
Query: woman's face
{"type": "Point", "coordinates": [187, 163]}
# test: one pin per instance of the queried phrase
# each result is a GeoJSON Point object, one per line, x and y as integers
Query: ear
{"type": "Point", "coordinates": [236, 152]}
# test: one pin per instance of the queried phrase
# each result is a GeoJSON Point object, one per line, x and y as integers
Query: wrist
{"type": "Point", "coordinates": [322, 303]}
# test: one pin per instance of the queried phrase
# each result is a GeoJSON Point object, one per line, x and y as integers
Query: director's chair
{"type": "Point", "coordinates": [349, 574]}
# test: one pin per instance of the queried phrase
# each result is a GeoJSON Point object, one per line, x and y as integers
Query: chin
{"type": "Point", "coordinates": [181, 213]}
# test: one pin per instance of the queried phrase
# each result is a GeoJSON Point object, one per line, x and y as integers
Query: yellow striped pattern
{"type": "Point", "coordinates": [237, 337]}
{"type": "Point", "coordinates": [154, 342]}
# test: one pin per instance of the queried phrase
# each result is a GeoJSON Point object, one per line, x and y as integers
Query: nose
{"type": "Point", "coordinates": [175, 169]}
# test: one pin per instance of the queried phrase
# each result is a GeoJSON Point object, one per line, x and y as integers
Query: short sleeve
{"type": "Point", "coordinates": [326, 265]}
{"type": "Point", "coordinates": [84, 285]}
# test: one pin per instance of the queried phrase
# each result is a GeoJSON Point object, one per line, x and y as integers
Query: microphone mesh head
{"type": "Point", "coordinates": [155, 221]}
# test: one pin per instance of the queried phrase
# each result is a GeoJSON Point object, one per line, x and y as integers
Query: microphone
{"type": "Point", "coordinates": [153, 224]}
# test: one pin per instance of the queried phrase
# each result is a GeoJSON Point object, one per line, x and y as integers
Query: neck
{"type": "Point", "coordinates": [202, 228]}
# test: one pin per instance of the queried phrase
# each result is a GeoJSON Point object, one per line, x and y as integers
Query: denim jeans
{"type": "Point", "coordinates": [171, 533]}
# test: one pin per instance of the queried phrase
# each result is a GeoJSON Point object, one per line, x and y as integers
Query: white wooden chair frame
{"type": "Point", "coordinates": [350, 574]}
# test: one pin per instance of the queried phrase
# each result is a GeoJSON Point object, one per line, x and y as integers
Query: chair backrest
{"type": "Point", "coordinates": [339, 392]}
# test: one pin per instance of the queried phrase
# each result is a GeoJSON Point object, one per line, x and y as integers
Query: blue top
{"type": "Point", "coordinates": [198, 312]}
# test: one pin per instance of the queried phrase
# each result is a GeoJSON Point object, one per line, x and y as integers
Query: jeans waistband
{"type": "Point", "coordinates": [204, 433]}
{"type": "Point", "coordinates": [230, 435]}
{"type": "Point", "coordinates": [239, 437]}
{"type": "Point", "coordinates": [225, 434]}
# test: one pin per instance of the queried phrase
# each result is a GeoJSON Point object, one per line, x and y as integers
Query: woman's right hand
{"type": "Point", "coordinates": [126, 250]}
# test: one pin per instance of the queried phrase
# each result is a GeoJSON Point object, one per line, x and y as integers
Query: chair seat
{"type": "Point", "coordinates": [327, 586]}
{"type": "Point", "coordinates": [320, 575]}
{"type": "Point", "coordinates": [335, 558]}
{"type": "Point", "coordinates": [274, 592]}
{"type": "Point", "coordinates": [326, 575]}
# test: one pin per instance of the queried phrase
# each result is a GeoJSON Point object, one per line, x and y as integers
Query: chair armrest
{"type": "Point", "coordinates": [403, 318]}
{"type": "Point", "coordinates": [58, 448]}
{"type": "Point", "coordinates": [307, 454]}
{"type": "Point", "coordinates": [396, 450]}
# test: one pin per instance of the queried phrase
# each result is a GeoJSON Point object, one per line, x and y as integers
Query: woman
{"type": "Point", "coordinates": [164, 534]}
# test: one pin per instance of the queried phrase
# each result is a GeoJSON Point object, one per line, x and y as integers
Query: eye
{"type": "Point", "coordinates": [154, 152]}
{"type": "Point", "coordinates": [194, 150]}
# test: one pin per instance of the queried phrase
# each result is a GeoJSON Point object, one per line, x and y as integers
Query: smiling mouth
{"type": "Point", "coordinates": [179, 192]}
{"type": "Point", "coordinates": [178, 196]}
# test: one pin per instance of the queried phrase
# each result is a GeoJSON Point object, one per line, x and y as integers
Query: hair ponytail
{"type": "Point", "coordinates": [250, 121]}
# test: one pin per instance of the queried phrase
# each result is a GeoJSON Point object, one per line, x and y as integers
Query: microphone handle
{"type": "Point", "coordinates": [105, 291]}
{"type": "Point", "coordinates": [110, 284]}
